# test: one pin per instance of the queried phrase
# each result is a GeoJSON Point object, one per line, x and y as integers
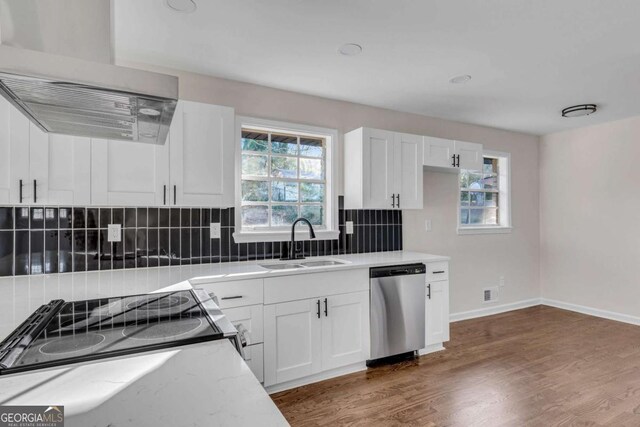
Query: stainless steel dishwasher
{"type": "Point", "coordinates": [397, 313]}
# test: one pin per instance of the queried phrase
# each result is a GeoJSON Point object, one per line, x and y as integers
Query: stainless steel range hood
{"type": "Point", "coordinates": [72, 96]}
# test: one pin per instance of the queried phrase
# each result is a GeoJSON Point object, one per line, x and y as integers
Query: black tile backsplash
{"type": "Point", "coordinates": [56, 239]}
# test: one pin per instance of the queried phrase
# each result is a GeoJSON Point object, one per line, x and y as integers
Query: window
{"type": "Point", "coordinates": [285, 173]}
{"type": "Point", "coordinates": [484, 196]}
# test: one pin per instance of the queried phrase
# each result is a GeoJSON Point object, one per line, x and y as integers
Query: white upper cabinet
{"type": "Point", "coordinates": [408, 171]}
{"type": "Point", "coordinates": [450, 155]}
{"type": "Point", "coordinates": [382, 167]}
{"type": "Point", "coordinates": [53, 169]}
{"type": "Point", "coordinates": [125, 173]}
{"type": "Point", "coordinates": [202, 155]}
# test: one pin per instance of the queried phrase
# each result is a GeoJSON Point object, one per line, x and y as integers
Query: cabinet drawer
{"type": "Point", "coordinates": [254, 356]}
{"type": "Point", "coordinates": [437, 271]}
{"type": "Point", "coordinates": [313, 285]}
{"type": "Point", "coordinates": [238, 293]}
{"type": "Point", "coordinates": [251, 318]}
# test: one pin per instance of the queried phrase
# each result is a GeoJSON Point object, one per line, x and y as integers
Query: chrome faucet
{"type": "Point", "coordinates": [293, 252]}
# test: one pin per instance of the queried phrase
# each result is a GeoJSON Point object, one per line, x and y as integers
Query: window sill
{"type": "Point", "coordinates": [281, 236]}
{"type": "Point", "coordinates": [484, 230]}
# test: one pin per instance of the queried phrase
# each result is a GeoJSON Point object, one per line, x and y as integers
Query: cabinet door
{"type": "Point", "coordinates": [345, 329]}
{"type": "Point", "coordinates": [379, 180]}
{"type": "Point", "coordinates": [437, 312]}
{"type": "Point", "coordinates": [470, 155]}
{"type": "Point", "coordinates": [202, 154]}
{"type": "Point", "coordinates": [61, 167]}
{"type": "Point", "coordinates": [408, 170]}
{"type": "Point", "coordinates": [438, 152]}
{"type": "Point", "coordinates": [292, 341]}
{"type": "Point", "coordinates": [14, 154]}
{"type": "Point", "coordinates": [129, 173]}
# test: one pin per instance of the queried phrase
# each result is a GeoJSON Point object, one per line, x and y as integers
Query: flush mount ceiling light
{"type": "Point", "coordinates": [579, 110]}
{"type": "Point", "coordinates": [350, 49]}
{"type": "Point", "coordinates": [460, 79]}
{"type": "Point", "coordinates": [182, 6]}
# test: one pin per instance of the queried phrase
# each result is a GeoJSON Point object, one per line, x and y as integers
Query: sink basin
{"type": "Point", "coordinates": [322, 263]}
{"type": "Point", "coordinates": [280, 266]}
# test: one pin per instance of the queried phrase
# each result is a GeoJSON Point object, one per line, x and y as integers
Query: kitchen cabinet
{"type": "Point", "coordinates": [383, 170]}
{"type": "Point", "coordinates": [450, 155]}
{"type": "Point", "coordinates": [125, 173]}
{"type": "Point", "coordinates": [53, 169]}
{"type": "Point", "coordinates": [193, 168]}
{"type": "Point", "coordinates": [437, 312]}
{"type": "Point", "coordinates": [202, 147]}
{"type": "Point", "coordinates": [306, 337]}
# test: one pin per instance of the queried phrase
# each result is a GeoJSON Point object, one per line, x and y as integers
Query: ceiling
{"type": "Point", "coordinates": [528, 59]}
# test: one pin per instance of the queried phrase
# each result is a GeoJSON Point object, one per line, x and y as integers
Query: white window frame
{"type": "Point", "coordinates": [331, 209]}
{"type": "Point", "coordinates": [504, 199]}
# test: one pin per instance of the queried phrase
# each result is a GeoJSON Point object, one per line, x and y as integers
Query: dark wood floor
{"type": "Point", "coordinates": [540, 366]}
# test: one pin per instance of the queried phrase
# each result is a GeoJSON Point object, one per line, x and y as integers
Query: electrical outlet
{"type": "Point", "coordinates": [214, 229]}
{"type": "Point", "coordinates": [115, 233]}
{"type": "Point", "coordinates": [427, 225]}
{"type": "Point", "coordinates": [501, 281]}
{"type": "Point", "coordinates": [349, 225]}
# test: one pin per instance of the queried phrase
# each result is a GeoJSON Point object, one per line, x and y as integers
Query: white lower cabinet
{"type": "Point", "coordinates": [437, 312]}
{"type": "Point", "coordinates": [306, 337]}
{"type": "Point", "coordinates": [254, 356]}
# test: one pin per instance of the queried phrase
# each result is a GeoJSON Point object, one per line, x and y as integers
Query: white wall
{"type": "Point", "coordinates": [477, 261]}
{"type": "Point", "coordinates": [590, 216]}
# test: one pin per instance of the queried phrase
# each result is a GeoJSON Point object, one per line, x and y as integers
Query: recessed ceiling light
{"type": "Point", "coordinates": [149, 112]}
{"type": "Point", "coordinates": [350, 49]}
{"type": "Point", "coordinates": [460, 79]}
{"type": "Point", "coordinates": [579, 110]}
{"type": "Point", "coordinates": [182, 6]}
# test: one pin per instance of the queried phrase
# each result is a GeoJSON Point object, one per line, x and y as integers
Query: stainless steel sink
{"type": "Point", "coordinates": [281, 266]}
{"type": "Point", "coordinates": [322, 263]}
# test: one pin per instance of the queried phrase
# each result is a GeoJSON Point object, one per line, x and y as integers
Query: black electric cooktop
{"type": "Point", "coordinates": [62, 332]}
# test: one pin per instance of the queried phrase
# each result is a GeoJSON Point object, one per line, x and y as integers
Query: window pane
{"type": "Point", "coordinates": [311, 169]}
{"type": "Point", "coordinates": [491, 216]}
{"type": "Point", "coordinates": [284, 167]}
{"type": "Point", "coordinates": [490, 182]}
{"type": "Point", "coordinates": [464, 179]}
{"type": "Point", "coordinates": [284, 144]}
{"type": "Point", "coordinates": [311, 147]}
{"type": "Point", "coordinates": [282, 191]}
{"type": "Point", "coordinates": [490, 166]}
{"type": "Point", "coordinates": [476, 216]}
{"type": "Point", "coordinates": [283, 214]}
{"type": "Point", "coordinates": [255, 191]}
{"type": "Point", "coordinates": [254, 141]}
{"type": "Point", "coordinates": [310, 192]}
{"type": "Point", "coordinates": [491, 199]}
{"type": "Point", "coordinates": [254, 165]}
{"type": "Point", "coordinates": [475, 181]}
{"type": "Point", "coordinates": [476, 198]}
{"type": "Point", "coordinates": [464, 198]}
{"type": "Point", "coordinates": [464, 216]}
{"type": "Point", "coordinates": [255, 215]}
{"type": "Point", "coordinates": [312, 213]}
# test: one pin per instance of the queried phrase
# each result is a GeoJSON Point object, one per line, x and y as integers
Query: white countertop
{"type": "Point", "coordinates": [22, 295]}
{"type": "Point", "coordinates": [206, 384]}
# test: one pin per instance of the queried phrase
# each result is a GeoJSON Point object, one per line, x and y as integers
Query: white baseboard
{"type": "Point", "coordinates": [431, 349]}
{"type": "Point", "coordinates": [611, 315]}
{"type": "Point", "coordinates": [495, 309]}
{"type": "Point", "coordinates": [356, 367]}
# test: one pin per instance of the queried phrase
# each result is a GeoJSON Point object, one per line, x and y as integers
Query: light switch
{"type": "Point", "coordinates": [115, 233]}
{"type": "Point", "coordinates": [349, 225]}
{"type": "Point", "coordinates": [427, 225]}
{"type": "Point", "coordinates": [214, 230]}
